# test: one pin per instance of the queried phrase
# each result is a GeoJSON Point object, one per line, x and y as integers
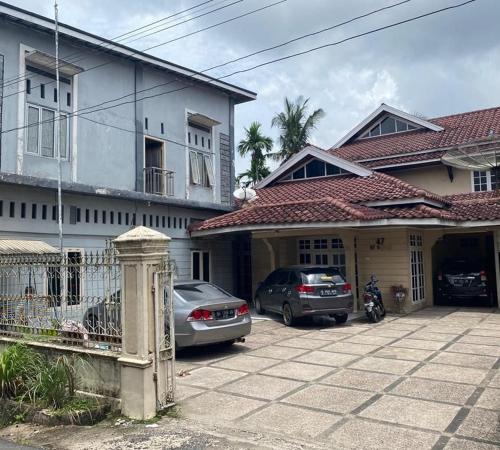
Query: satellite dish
{"type": "Point", "coordinates": [244, 194]}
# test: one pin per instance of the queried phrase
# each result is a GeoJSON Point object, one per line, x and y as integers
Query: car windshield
{"type": "Point", "coordinates": [199, 291]}
{"type": "Point", "coordinates": [320, 275]}
{"type": "Point", "coordinates": [462, 266]}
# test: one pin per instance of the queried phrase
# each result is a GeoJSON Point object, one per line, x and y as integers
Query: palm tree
{"type": "Point", "coordinates": [295, 127]}
{"type": "Point", "coordinates": [258, 146]}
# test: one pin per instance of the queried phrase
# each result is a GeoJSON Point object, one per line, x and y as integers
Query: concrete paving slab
{"type": "Point", "coordinates": [434, 390]}
{"type": "Point", "coordinates": [446, 372]}
{"type": "Point", "coordinates": [216, 406]}
{"type": "Point", "coordinates": [485, 332]}
{"type": "Point", "coordinates": [245, 363]}
{"type": "Point", "coordinates": [474, 349]}
{"type": "Point", "coordinates": [347, 329]}
{"type": "Point", "coordinates": [386, 332]}
{"type": "Point", "coordinates": [463, 444]}
{"type": "Point", "coordinates": [412, 412]}
{"type": "Point", "coordinates": [277, 352]}
{"type": "Point", "coordinates": [446, 328]}
{"type": "Point", "coordinates": [419, 344]}
{"type": "Point", "coordinates": [429, 336]}
{"type": "Point", "coordinates": [351, 348]}
{"type": "Point", "coordinates": [262, 387]}
{"type": "Point", "coordinates": [495, 381]}
{"type": "Point", "coordinates": [481, 424]}
{"type": "Point", "coordinates": [489, 399]}
{"type": "Point", "coordinates": [329, 398]}
{"type": "Point", "coordinates": [325, 336]}
{"type": "Point", "coordinates": [303, 342]}
{"type": "Point", "coordinates": [182, 392]}
{"type": "Point", "coordinates": [402, 326]}
{"type": "Point", "coordinates": [209, 377]}
{"type": "Point", "coordinates": [291, 420]}
{"type": "Point", "coordinates": [465, 360]}
{"type": "Point", "coordinates": [409, 354]}
{"type": "Point", "coordinates": [370, 340]}
{"type": "Point", "coordinates": [384, 365]}
{"type": "Point", "coordinates": [359, 434]}
{"type": "Point", "coordinates": [481, 340]}
{"type": "Point", "coordinates": [327, 358]}
{"type": "Point", "coordinates": [360, 379]}
{"type": "Point", "coordinates": [298, 371]}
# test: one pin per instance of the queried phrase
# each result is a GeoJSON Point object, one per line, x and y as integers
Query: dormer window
{"type": "Point", "coordinates": [314, 169]}
{"type": "Point", "coordinates": [388, 125]}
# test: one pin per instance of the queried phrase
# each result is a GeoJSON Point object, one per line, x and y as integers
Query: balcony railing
{"type": "Point", "coordinates": [158, 181]}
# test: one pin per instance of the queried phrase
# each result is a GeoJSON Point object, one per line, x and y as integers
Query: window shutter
{"type": "Point", "coordinates": [47, 132]}
{"type": "Point", "coordinates": [32, 130]}
{"type": "Point", "coordinates": [210, 169]}
{"type": "Point", "coordinates": [195, 170]}
{"type": "Point", "coordinates": [63, 142]}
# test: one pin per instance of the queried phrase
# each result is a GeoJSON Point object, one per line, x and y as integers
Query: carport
{"type": "Point", "coordinates": [479, 248]}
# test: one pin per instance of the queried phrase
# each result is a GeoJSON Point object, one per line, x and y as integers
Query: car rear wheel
{"type": "Point", "coordinates": [288, 317]}
{"type": "Point", "coordinates": [341, 318]}
{"type": "Point", "coordinates": [258, 306]}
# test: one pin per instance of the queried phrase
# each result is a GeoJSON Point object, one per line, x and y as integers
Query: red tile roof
{"type": "Point", "coordinates": [458, 129]}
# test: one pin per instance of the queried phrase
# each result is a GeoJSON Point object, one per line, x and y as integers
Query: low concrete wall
{"type": "Point", "coordinates": [98, 370]}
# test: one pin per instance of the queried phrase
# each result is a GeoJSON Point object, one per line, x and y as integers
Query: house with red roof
{"type": "Point", "coordinates": [383, 200]}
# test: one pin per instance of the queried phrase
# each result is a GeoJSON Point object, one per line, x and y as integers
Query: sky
{"type": "Point", "coordinates": [443, 64]}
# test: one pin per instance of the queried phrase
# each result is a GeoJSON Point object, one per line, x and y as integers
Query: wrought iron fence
{"type": "Point", "coordinates": [73, 298]}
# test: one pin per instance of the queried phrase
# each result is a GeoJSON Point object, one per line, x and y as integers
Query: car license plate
{"type": "Point", "coordinates": [328, 292]}
{"type": "Point", "coordinates": [224, 314]}
{"type": "Point", "coordinates": [458, 282]}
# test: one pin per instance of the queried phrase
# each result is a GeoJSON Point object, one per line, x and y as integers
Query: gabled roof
{"type": "Point", "coordinates": [311, 151]}
{"type": "Point", "coordinates": [386, 109]}
{"type": "Point", "coordinates": [423, 145]}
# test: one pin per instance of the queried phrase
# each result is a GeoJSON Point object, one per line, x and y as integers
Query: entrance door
{"type": "Point", "coordinates": [154, 182]}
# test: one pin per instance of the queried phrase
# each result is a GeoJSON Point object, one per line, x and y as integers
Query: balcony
{"type": "Point", "coordinates": [158, 181]}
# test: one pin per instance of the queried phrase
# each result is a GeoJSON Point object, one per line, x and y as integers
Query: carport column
{"type": "Point", "coordinates": [140, 251]}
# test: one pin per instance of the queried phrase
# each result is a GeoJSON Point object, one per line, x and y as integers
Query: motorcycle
{"type": "Point", "coordinates": [374, 307]}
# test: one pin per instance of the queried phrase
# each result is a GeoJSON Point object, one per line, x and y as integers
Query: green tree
{"type": "Point", "coordinates": [295, 127]}
{"type": "Point", "coordinates": [258, 147]}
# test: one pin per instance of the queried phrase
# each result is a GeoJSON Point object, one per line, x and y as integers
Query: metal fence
{"type": "Point", "coordinates": [73, 298]}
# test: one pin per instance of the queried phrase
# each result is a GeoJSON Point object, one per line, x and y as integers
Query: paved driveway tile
{"type": "Point", "coordinates": [495, 381]}
{"type": "Point", "coordinates": [278, 352]}
{"type": "Point", "coordinates": [245, 363]}
{"type": "Point", "coordinates": [349, 347]}
{"type": "Point", "coordinates": [481, 340]}
{"type": "Point", "coordinates": [325, 336]}
{"type": "Point", "coordinates": [216, 406]}
{"type": "Point", "coordinates": [370, 340]}
{"type": "Point", "coordinates": [481, 424]}
{"type": "Point", "coordinates": [326, 358]}
{"type": "Point", "coordinates": [386, 332]}
{"type": "Point", "coordinates": [474, 349]}
{"type": "Point", "coordinates": [438, 327]}
{"type": "Point", "coordinates": [491, 332]}
{"type": "Point", "coordinates": [329, 398]}
{"type": "Point", "coordinates": [457, 374]}
{"type": "Point", "coordinates": [463, 444]}
{"type": "Point", "coordinates": [490, 399]}
{"type": "Point", "coordinates": [411, 412]}
{"type": "Point", "coordinates": [461, 359]}
{"type": "Point", "coordinates": [209, 377]}
{"type": "Point", "coordinates": [429, 336]}
{"type": "Point", "coordinates": [358, 434]}
{"type": "Point", "coordinates": [291, 420]}
{"type": "Point", "coordinates": [298, 371]}
{"type": "Point", "coordinates": [303, 342]}
{"type": "Point", "coordinates": [419, 344]}
{"type": "Point", "coordinates": [262, 386]}
{"type": "Point", "coordinates": [385, 365]}
{"type": "Point", "coordinates": [182, 392]}
{"type": "Point", "coordinates": [360, 379]}
{"type": "Point", "coordinates": [410, 354]}
{"type": "Point", "coordinates": [434, 390]}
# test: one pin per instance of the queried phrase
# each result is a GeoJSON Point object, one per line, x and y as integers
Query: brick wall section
{"type": "Point", "coordinates": [226, 181]}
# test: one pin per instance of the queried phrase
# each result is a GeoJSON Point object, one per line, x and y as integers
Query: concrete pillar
{"type": "Point", "coordinates": [140, 252]}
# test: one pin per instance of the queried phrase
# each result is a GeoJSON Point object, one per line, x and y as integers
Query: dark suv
{"type": "Point", "coordinates": [299, 291]}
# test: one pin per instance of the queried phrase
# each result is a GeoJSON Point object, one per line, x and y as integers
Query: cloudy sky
{"type": "Point", "coordinates": [439, 65]}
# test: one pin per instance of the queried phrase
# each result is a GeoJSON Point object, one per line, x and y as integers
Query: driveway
{"type": "Point", "coordinates": [428, 380]}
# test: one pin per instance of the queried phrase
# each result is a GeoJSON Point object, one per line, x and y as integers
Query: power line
{"type": "Point", "coordinates": [263, 64]}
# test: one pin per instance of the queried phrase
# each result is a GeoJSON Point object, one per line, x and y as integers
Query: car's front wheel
{"type": "Point", "coordinates": [288, 317]}
{"type": "Point", "coordinates": [258, 306]}
{"type": "Point", "coordinates": [341, 318]}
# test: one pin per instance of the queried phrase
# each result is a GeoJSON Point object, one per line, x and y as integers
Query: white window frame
{"type": "Point", "coordinates": [201, 169]}
{"type": "Point", "coordinates": [489, 186]}
{"type": "Point", "coordinates": [311, 250]}
{"type": "Point", "coordinates": [417, 270]}
{"type": "Point", "coordinates": [40, 127]}
{"type": "Point", "coordinates": [202, 266]}
{"type": "Point", "coordinates": [366, 134]}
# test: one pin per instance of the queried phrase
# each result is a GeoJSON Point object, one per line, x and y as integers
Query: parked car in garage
{"type": "Point", "coordinates": [305, 291]}
{"type": "Point", "coordinates": [464, 281]}
{"type": "Point", "coordinates": [203, 313]}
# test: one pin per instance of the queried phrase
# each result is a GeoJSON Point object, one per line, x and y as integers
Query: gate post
{"type": "Point", "coordinates": [140, 252]}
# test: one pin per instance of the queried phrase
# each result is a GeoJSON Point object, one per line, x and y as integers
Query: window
{"type": "Point", "coordinates": [42, 90]}
{"type": "Point", "coordinates": [104, 217]}
{"type": "Point", "coordinates": [322, 251]}
{"type": "Point", "coordinates": [483, 181]}
{"type": "Point", "coordinates": [96, 216]}
{"type": "Point", "coordinates": [119, 218]}
{"type": "Point", "coordinates": [417, 267]}
{"type": "Point", "coordinates": [41, 132]}
{"type": "Point", "coordinates": [87, 215]}
{"type": "Point", "coordinates": [12, 209]}
{"type": "Point", "coordinates": [146, 123]}
{"type": "Point", "coordinates": [200, 265]}
{"type": "Point", "coordinates": [126, 218]}
{"type": "Point", "coordinates": [55, 95]}
{"type": "Point", "coordinates": [201, 169]}
{"type": "Point", "coordinates": [44, 212]}
{"type": "Point", "coordinates": [23, 210]}
{"type": "Point", "coordinates": [112, 217]}
{"type": "Point", "coordinates": [389, 125]}
{"type": "Point", "coordinates": [315, 168]}
{"type": "Point", "coordinates": [68, 99]}
{"type": "Point", "coordinates": [28, 86]}
{"type": "Point", "coordinates": [162, 127]}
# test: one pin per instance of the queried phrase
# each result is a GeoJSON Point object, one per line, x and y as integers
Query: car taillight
{"type": "Point", "coordinates": [367, 298]}
{"type": "Point", "coordinates": [304, 289]}
{"type": "Point", "coordinates": [483, 276]}
{"type": "Point", "coordinates": [440, 276]}
{"type": "Point", "coordinates": [200, 314]}
{"type": "Point", "coordinates": [242, 310]}
{"type": "Point", "coordinates": [347, 288]}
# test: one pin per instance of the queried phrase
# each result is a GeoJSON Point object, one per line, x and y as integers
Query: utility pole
{"type": "Point", "coordinates": [57, 132]}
